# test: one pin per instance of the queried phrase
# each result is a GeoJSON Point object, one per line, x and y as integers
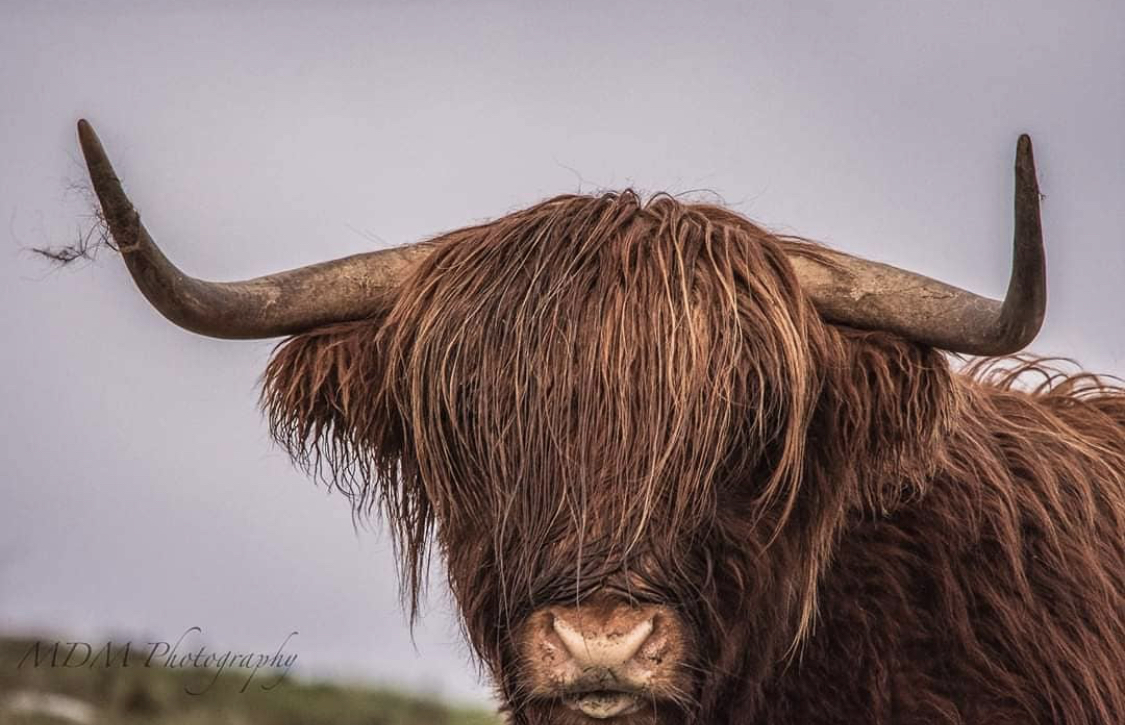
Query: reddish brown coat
{"type": "Point", "coordinates": [599, 394]}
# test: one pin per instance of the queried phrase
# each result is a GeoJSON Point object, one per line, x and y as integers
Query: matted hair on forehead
{"type": "Point", "coordinates": [590, 364]}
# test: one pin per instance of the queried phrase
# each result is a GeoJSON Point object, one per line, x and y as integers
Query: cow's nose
{"type": "Point", "coordinates": [596, 642]}
{"type": "Point", "coordinates": [604, 643]}
{"type": "Point", "coordinates": [604, 657]}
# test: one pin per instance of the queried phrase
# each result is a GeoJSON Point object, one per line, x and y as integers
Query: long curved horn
{"type": "Point", "coordinates": [271, 306]}
{"type": "Point", "coordinates": [876, 296]}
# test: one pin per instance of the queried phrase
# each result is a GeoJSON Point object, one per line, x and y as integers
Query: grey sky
{"type": "Point", "coordinates": [139, 491]}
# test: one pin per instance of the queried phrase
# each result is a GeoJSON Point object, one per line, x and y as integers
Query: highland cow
{"type": "Point", "coordinates": [680, 469]}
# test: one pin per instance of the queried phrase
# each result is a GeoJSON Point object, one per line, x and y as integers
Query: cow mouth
{"type": "Point", "coordinates": [604, 704]}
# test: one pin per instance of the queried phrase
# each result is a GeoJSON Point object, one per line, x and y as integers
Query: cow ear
{"type": "Point", "coordinates": [883, 416]}
{"type": "Point", "coordinates": [322, 393]}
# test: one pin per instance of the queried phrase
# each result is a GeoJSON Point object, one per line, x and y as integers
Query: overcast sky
{"type": "Point", "coordinates": [139, 491]}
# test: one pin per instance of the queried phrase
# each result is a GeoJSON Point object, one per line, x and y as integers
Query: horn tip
{"type": "Point", "coordinates": [1024, 151]}
{"type": "Point", "coordinates": [85, 130]}
{"type": "Point", "coordinates": [90, 143]}
{"type": "Point", "coordinates": [1025, 163]}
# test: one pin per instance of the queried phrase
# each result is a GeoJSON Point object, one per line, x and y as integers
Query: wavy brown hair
{"type": "Point", "coordinates": [604, 393]}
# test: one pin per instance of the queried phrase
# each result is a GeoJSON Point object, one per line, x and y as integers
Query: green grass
{"type": "Point", "coordinates": [159, 696]}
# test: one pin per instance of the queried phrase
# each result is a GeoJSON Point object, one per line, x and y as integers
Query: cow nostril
{"type": "Point", "coordinates": [602, 648]}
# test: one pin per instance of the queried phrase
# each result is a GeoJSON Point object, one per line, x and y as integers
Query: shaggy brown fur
{"type": "Point", "coordinates": [600, 393]}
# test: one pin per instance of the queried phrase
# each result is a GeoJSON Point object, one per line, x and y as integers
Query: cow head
{"type": "Point", "coordinates": [631, 429]}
